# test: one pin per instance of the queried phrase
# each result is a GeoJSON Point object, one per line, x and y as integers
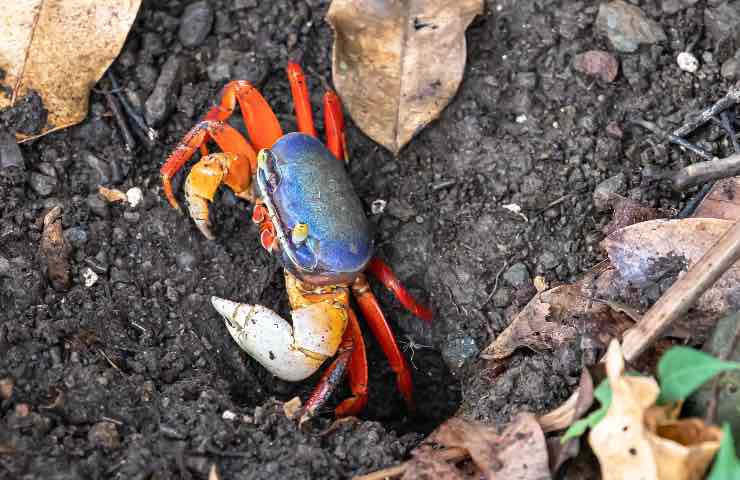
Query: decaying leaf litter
{"type": "Point", "coordinates": [478, 144]}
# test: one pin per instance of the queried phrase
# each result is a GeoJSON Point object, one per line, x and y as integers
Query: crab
{"type": "Point", "coordinates": [311, 218]}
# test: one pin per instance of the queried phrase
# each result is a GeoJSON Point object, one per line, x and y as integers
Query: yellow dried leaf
{"type": "Point", "coordinates": [397, 63]}
{"type": "Point", "coordinates": [638, 440]}
{"type": "Point", "coordinates": [60, 49]}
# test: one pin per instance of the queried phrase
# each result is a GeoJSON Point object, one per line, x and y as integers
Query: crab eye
{"type": "Point", "coordinates": [299, 233]}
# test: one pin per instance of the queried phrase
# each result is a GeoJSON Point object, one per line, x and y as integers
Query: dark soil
{"type": "Point", "coordinates": [136, 377]}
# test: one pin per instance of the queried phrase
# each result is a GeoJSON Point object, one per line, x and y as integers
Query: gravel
{"type": "Point", "coordinates": [195, 24]}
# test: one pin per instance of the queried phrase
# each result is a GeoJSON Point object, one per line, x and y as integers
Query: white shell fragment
{"type": "Point", "coordinates": [89, 277]}
{"type": "Point", "coordinates": [687, 62]}
{"type": "Point", "coordinates": [134, 196]}
{"type": "Point", "coordinates": [270, 340]}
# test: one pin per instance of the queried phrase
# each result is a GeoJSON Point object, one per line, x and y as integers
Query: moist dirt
{"type": "Point", "coordinates": [129, 373]}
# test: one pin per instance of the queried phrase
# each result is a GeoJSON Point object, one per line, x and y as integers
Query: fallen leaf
{"type": "Point", "coordinates": [59, 49]}
{"type": "Point", "coordinates": [562, 418]}
{"type": "Point", "coordinates": [556, 317]}
{"type": "Point", "coordinates": [112, 194]}
{"type": "Point", "coordinates": [629, 447]}
{"type": "Point", "coordinates": [518, 453]}
{"type": "Point", "coordinates": [650, 253]}
{"type": "Point", "coordinates": [292, 408]}
{"type": "Point", "coordinates": [397, 63]}
{"type": "Point", "coordinates": [722, 201]}
{"type": "Point", "coordinates": [55, 250]}
{"type": "Point", "coordinates": [628, 212]}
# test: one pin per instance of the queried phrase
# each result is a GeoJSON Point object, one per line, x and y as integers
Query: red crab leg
{"type": "Point", "coordinates": [382, 331]}
{"type": "Point", "coordinates": [385, 275]}
{"type": "Point", "coordinates": [357, 371]}
{"type": "Point", "coordinates": [301, 99]}
{"type": "Point", "coordinates": [331, 378]}
{"type": "Point", "coordinates": [334, 125]}
{"type": "Point", "coordinates": [227, 138]}
{"type": "Point", "coordinates": [262, 124]}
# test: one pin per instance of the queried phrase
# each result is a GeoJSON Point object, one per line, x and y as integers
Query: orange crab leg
{"type": "Point", "coordinates": [385, 275]}
{"type": "Point", "coordinates": [228, 139]}
{"type": "Point", "coordinates": [331, 378]}
{"type": "Point", "coordinates": [357, 371]}
{"type": "Point", "coordinates": [334, 125]}
{"type": "Point", "coordinates": [382, 331]}
{"type": "Point", "coordinates": [301, 99]}
{"type": "Point", "coordinates": [262, 124]}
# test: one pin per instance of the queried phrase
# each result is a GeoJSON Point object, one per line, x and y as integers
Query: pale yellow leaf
{"type": "Point", "coordinates": [397, 63]}
{"type": "Point", "coordinates": [60, 49]}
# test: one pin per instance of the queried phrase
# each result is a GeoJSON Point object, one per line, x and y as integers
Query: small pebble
{"type": "Point", "coordinates": [42, 184]}
{"type": "Point", "coordinates": [597, 63]}
{"type": "Point", "coordinates": [378, 206]}
{"type": "Point", "coordinates": [161, 103]}
{"type": "Point", "coordinates": [134, 196]}
{"type": "Point", "coordinates": [6, 388]}
{"type": "Point", "coordinates": [687, 62]}
{"type": "Point", "coordinates": [228, 415]}
{"type": "Point", "coordinates": [97, 205]}
{"type": "Point", "coordinates": [77, 236]}
{"type": "Point", "coordinates": [104, 435]}
{"type": "Point", "coordinates": [517, 275]}
{"type": "Point", "coordinates": [89, 277]}
{"type": "Point", "coordinates": [195, 24]}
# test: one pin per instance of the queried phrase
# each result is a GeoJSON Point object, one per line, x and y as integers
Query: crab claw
{"type": "Point", "coordinates": [291, 352]}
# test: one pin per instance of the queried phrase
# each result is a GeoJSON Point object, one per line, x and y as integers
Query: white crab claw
{"type": "Point", "coordinates": [291, 352]}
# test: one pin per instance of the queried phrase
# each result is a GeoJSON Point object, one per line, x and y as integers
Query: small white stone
{"type": "Point", "coordinates": [687, 62]}
{"type": "Point", "coordinates": [378, 206]}
{"type": "Point", "coordinates": [89, 277]}
{"type": "Point", "coordinates": [134, 196]}
{"type": "Point", "coordinates": [521, 118]}
{"type": "Point", "coordinates": [228, 415]}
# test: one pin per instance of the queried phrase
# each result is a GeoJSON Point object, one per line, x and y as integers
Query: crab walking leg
{"type": "Point", "coordinates": [357, 370]}
{"type": "Point", "coordinates": [291, 352]}
{"type": "Point", "coordinates": [330, 379]}
{"type": "Point", "coordinates": [301, 99]}
{"type": "Point", "coordinates": [382, 331]}
{"type": "Point", "coordinates": [239, 175]}
{"type": "Point", "coordinates": [334, 126]}
{"type": "Point", "coordinates": [262, 124]}
{"type": "Point", "coordinates": [385, 275]}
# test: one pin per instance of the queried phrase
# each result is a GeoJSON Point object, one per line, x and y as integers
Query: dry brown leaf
{"type": "Point", "coordinates": [555, 317]}
{"type": "Point", "coordinates": [573, 408]}
{"type": "Point", "coordinates": [397, 63]}
{"type": "Point", "coordinates": [642, 254]}
{"type": "Point", "coordinates": [111, 194]}
{"type": "Point", "coordinates": [60, 49]}
{"type": "Point", "coordinates": [55, 250]}
{"type": "Point", "coordinates": [723, 201]}
{"type": "Point", "coordinates": [518, 453]}
{"type": "Point", "coordinates": [629, 447]}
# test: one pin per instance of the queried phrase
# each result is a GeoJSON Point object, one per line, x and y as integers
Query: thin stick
{"type": "Point", "coordinates": [454, 454]}
{"type": "Point", "coordinates": [702, 172]}
{"type": "Point", "coordinates": [677, 300]}
{"type": "Point", "coordinates": [732, 97]}
{"type": "Point", "coordinates": [673, 138]}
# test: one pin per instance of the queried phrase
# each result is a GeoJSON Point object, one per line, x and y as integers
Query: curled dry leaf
{"type": "Point", "coordinates": [518, 453]}
{"type": "Point", "coordinates": [55, 250]}
{"type": "Point", "coordinates": [397, 63]}
{"type": "Point", "coordinates": [573, 408]}
{"type": "Point", "coordinates": [59, 49]}
{"type": "Point", "coordinates": [635, 440]}
{"type": "Point", "coordinates": [556, 317]}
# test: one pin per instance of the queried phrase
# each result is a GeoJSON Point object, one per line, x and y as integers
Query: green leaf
{"type": "Point", "coordinates": [682, 370]}
{"type": "Point", "coordinates": [603, 394]}
{"type": "Point", "coordinates": [726, 465]}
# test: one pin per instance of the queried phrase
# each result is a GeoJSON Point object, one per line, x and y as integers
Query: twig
{"type": "Point", "coordinates": [128, 138]}
{"type": "Point", "coordinates": [702, 172]}
{"type": "Point", "coordinates": [732, 98]}
{"type": "Point", "coordinates": [677, 300]}
{"type": "Point", "coordinates": [495, 283]}
{"type": "Point", "coordinates": [454, 454]}
{"type": "Point", "coordinates": [149, 133]}
{"type": "Point", "coordinates": [692, 204]}
{"type": "Point", "coordinates": [673, 138]}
